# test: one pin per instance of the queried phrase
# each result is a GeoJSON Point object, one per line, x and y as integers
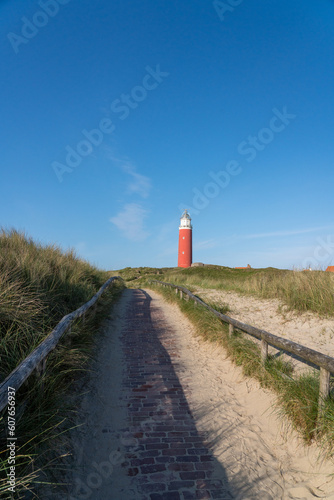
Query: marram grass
{"type": "Point", "coordinates": [38, 286]}
{"type": "Point", "coordinates": [298, 290]}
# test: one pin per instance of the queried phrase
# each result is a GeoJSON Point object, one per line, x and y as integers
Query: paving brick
{"type": "Point", "coordinates": [179, 439]}
{"type": "Point", "coordinates": [165, 477]}
{"type": "Point", "coordinates": [188, 495]}
{"type": "Point", "coordinates": [155, 434]}
{"type": "Point", "coordinates": [174, 451]}
{"type": "Point", "coordinates": [193, 439]}
{"type": "Point", "coordinates": [198, 451]}
{"type": "Point", "coordinates": [149, 469]}
{"type": "Point", "coordinates": [183, 434]}
{"type": "Point", "coordinates": [151, 488]}
{"type": "Point", "coordinates": [156, 446]}
{"type": "Point", "coordinates": [150, 453]}
{"type": "Point", "coordinates": [187, 466]}
{"type": "Point", "coordinates": [165, 460]}
{"type": "Point", "coordinates": [147, 440]}
{"type": "Point", "coordinates": [187, 458]}
{"type": "Point", "coordinates": [178, 485]}
{"type": "Point", "coordinates": [142, 461]}
{"type": "Point", "coordinates": [169, 495]}
{"type": "Point", "coordinates": [132, 471]}
{"type": "Point", "coordinates": [165, 428]}
{"type": "Point", "coordinates": [203, 494]}
{"type": "Point", "coordinates": [192, 475]}
{"type": "Point", "coordinates": [208, 466]}
{"type": "Point", "coordinates": [177, 445]}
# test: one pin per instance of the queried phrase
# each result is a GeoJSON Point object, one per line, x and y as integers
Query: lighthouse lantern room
{"type": "Point", "coordinates": [185, 241]}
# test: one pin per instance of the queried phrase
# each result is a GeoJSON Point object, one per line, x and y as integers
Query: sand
{"type": "Point", "coordinates": [271, 315]}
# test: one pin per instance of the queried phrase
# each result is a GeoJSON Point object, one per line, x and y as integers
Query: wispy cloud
{"type": "Point", "coordinates": [130, 221]}
{"type": "Point", "coordinates": [282, 233]}
{"type": "Point", "coordinates": [204, 245]}
{"type": "Point", "coordinates": [139, 184]}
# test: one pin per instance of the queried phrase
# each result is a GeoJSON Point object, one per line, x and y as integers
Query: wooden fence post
{"type": "Point", "coordinates": [176, 291]}
{"type": "Point", "coordinates": [230, 329]}
{"type": "Point", "coordinates": [67, 340]}
{"type": "Point", "coordinates": [40, 368]}
{"type": "Point", "coordinates": [264, 351]}
{"type": "Point", "coordinates": [181, 294]}
{"type": "Point", "coordinates": [323, 389]}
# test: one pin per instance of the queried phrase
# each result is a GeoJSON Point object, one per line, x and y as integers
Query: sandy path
{"type": "Point", "coordinates": [219, 414]}
{"type": "Point", "coordinates": [269, 314]}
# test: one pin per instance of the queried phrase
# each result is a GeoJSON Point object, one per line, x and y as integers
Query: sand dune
{"type": "Point", "coordinates": [270, 314]}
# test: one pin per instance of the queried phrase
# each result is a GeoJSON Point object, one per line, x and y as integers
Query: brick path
{"type": "Point", "coordinates": [165, 456]}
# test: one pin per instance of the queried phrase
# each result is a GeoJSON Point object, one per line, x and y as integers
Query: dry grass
{"type": "Point", "coordinates": [301, 291]}
{"type": "Point", "coordinates": [38, 286]}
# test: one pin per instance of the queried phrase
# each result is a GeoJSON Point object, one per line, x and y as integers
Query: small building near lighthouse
{"type": "Point", "coordinates": [185, 254]}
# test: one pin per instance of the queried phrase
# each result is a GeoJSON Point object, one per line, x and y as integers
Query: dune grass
{"type": "Point", "coordinates": [301, 291]}
{"type": "Point", "coordinates": [38, 286]}
{"type": "Point", "coordinates": [296, 395]}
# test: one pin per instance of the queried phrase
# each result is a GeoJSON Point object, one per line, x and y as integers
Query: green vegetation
{"type": "Point", "coordinates": [222, 308]}
{"type": "Point", "coordinates": [38, 286]}
{"type": "Point", "coordinates": [301, 291]}
{"type": "Point", "coordinates": [297, 396]}
{"type": "Point", "coordinates": [139, 273]}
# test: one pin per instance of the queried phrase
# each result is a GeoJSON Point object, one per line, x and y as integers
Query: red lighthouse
{"type": "Point", "coordinates": [185, 241]}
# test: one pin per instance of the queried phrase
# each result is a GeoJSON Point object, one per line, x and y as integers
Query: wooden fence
{"type": "Point", "coordinates": [325, 363]}
{"type": "Point", "coordinates": [37, 359]}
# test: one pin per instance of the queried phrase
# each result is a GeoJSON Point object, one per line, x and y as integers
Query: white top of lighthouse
{"type": "Point", "coordinates": [185, 221]}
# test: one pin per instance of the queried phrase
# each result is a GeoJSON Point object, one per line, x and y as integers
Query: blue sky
{"type": "Point", "coordinates": [117, 115]}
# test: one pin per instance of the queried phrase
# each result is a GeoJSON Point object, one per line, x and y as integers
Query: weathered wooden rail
{"type": "Point", "coordinates": [37, 359]}
{"type": "Point", "coordinates": [325, 363]}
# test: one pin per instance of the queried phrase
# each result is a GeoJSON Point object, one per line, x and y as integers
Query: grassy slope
{"type": "Point", "coordinates": [38, 286]}
{"type": "Point", "coordinates": [302, 291]}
